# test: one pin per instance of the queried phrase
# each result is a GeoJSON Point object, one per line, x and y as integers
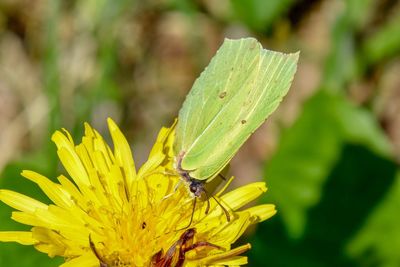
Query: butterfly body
{"type": "Point", "coordinates": [196, 187]}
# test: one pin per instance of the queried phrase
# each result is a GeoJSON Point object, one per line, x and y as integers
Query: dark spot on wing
{"type": "Point", "coordinates": [144, 225]}
{"type": "Point", "coordinates": [222, 95]}
{"type": "Point", "coordinates": [243, 121]}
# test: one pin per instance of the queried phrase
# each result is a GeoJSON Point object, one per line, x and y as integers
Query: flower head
{"type": "Point", "coordinates": [108, 213]}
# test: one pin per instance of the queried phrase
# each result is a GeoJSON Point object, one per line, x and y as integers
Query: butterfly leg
{"type": "Point", "coordinates": [176, 187]}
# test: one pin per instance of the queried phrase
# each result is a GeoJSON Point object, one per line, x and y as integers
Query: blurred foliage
{"type": "Point", "coordinates": [354, 185]}
{"type": "Point", "coordinates": [259, 14]}
{"type": "Point", "coordinates": [330, 153]}
{"type": "Point", "coordinates": [310, 148]}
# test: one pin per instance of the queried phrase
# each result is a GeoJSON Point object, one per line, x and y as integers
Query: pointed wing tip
{"type": "Point", "coordinates": [295, 55]}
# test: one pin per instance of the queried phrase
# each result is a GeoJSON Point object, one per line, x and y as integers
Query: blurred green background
{"type": "Point", "coordinates": [330, 154]}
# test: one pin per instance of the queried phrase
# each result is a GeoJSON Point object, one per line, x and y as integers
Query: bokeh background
{"type": "Point", "coordinates": [330, 154]}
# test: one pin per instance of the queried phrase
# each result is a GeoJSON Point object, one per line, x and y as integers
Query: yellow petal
{"type": "Point", "coordinates": [85, 155]}
{"type": "Point", "coordinates": [76, 195]}
{"type": "Point", "coordinates": [157, 154]}
{"type": "Point", "coordinates": [88, 259]}
{"type": "Point", "coordinates": [20, 202]}
{"type": "Point", "coordinates": [67, 154]}
{"type": "Point", "coordinates": [234, 261]}
{"type": "Point", "coordinates": [71, 227]}
{"type": "Point", "coordinates": [27, 218]}
{"type": "Point", "coordinates": [55, 192]}
{"type": "Point", "coordinates": [24, 238]}
{"type": "Point", "coordinates": [49, 241]}
{"type": "Point", "coordinates": [244, 195]}
{"type": "Point", "coordinates": [122, 152]}
{"type": "Point", "coordinates": [262, 212]}
{"type": "Point", "coordinates": [101, 146]}
{"type": "Point", "coordinates": [223, 257]}
{"type": "Point", "coordinates": [152, 163]}
{"type": "Point", "coordinates": [230, 232]}
{"type": "Point", "coordinates": [160, 141]}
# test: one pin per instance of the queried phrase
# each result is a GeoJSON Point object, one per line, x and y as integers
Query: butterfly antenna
{"type": "Point", "coordinates": [176, 187]}
{"type": "Point", "coordinates": [228, 216]}
{"type": "Point", "coordinates": [222, 177]}
{"type": "Point", "coordinates": [208, 202]}
{"type": "Point", "coordinates": [191, 217]}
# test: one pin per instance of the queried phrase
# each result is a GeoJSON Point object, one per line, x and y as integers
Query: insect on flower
{"type": "Point", "coordinates": [175, 256]}
{"type": "Point", "coordinates": [93, 248]}
{"type": "Point", "coordinates": [103, 211]}
{"type": "Point", "coordinates": [107, 213]}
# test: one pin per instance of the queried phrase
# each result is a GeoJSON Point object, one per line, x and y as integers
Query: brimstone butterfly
{"type": "Point", "coordinates": [240, 88]}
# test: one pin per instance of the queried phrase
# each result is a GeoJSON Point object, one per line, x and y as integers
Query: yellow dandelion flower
{"type": "Point", "coordinates": [109, 214]}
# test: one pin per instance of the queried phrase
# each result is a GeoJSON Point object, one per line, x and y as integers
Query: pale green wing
{"type": "Point", "coordinates": [204, 100]}
{"type": "Point", "coordinates": [229, 101]}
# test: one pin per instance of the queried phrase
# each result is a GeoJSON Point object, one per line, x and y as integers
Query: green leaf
{"type": "Point", "coordinates": [308, 150]}
{"type": "Point", "coordinates": [303, 160]}
{"type": "Point", "coordinates": [260, 14]}
{"type": "Point", "coordinates": [360, 126]}
{"type": "Point", "coordinates": [10, 253]}
{"type": "Point", "coordinates": [13, 254]}
{"type": "Point", "coordinates": [377, 243]}
{"type": "Point", "coordinates": [384, 43]}
{"type": "Point", "coordinates": [359, 179]}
